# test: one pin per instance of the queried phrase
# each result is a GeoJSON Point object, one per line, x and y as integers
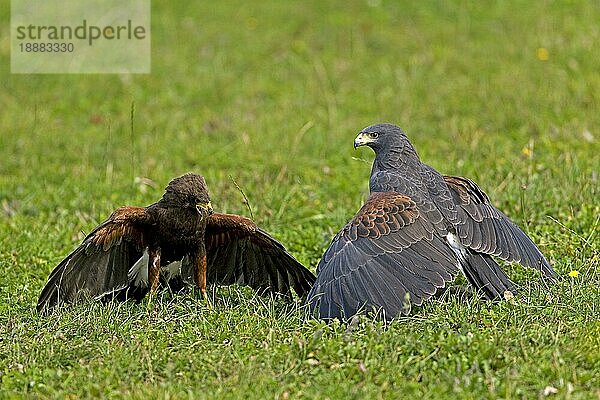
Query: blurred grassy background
{"type": "Point", "coordinates": [273, 94]}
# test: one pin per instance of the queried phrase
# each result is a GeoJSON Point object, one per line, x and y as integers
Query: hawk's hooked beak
{"type": "Point", "coordinates": [362, 139]}
{"type": "Point", "coordinates": [206, 207]}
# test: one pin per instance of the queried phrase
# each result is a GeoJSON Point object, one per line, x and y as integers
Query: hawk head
{"type": "Point", "coordinates": [381, 136]}
{"type": "Point", "coordinates": [188, 191]}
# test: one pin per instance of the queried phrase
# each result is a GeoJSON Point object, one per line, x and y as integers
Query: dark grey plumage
{"type": "Point", "coordinates": [416, 231]}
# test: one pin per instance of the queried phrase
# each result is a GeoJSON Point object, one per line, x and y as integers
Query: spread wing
{"type": "Point", "coordinates": [383, 260]}
{"type": "Point", "coordinates": [239, 252]}
{"type": "Point", "coordinates": [483, 228]}
{"type": "Point", "coordinates": [100, 265]}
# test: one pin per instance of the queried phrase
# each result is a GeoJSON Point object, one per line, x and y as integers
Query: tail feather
{"type": "Point", "coordinates": [487, 277]}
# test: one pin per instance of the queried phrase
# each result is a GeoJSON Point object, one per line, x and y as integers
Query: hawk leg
{"type": "Point", "coordinates": [201, 273]}
{"type": "Point", "coordinates": [153, 268]}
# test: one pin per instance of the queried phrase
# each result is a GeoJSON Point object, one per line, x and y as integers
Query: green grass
{"type": "Point", "coordinates": [273, 95]}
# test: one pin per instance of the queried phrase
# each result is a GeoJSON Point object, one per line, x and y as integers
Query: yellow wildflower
{"type": "Point", "coordinates": [574, 273]}
{"type": "Point", "coordinates": [542, 54]}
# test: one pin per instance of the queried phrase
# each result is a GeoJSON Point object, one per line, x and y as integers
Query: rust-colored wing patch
{"type": "Point", "coordinates": [125, 222]}
{"type": "Point", "coordinates": [223, 228]}
{"type": "Point", "coordinates": [384, 213]}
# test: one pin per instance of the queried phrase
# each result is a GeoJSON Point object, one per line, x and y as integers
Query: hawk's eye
{"type": "Point", "coordinates": [373, 135]}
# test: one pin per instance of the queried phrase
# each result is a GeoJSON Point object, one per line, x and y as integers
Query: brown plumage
{"type": "Point", "coordinates": [416, 232]}
{"type": "Point", "coordinates": [173, 242]}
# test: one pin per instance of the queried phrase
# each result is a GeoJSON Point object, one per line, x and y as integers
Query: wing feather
{"type": "Point", "coordinates": [239, 252]}
{"type": "Point", "coordinates": [483, 228]}
{"type": "Point", "coordinates": [386, 253]}
{"type": "Point", "coordinates": [100, 265]}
